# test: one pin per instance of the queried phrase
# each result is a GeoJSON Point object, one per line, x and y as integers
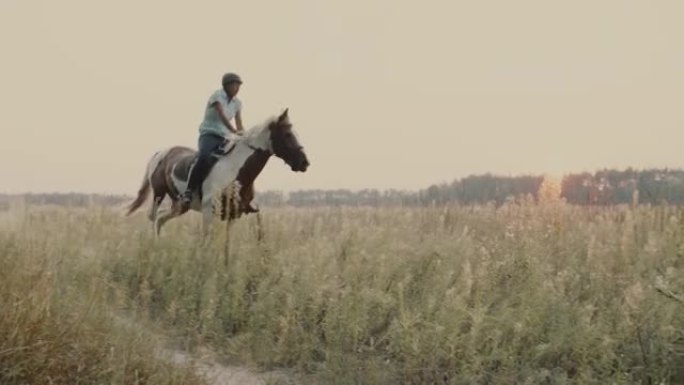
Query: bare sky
{"type": "Point", "coordinates": [383, 93]}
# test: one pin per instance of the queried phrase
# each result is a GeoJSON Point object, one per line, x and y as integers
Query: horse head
{"type": "Point", "coordinates": [285, 144]}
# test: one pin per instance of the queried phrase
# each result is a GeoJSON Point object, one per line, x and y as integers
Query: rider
{"type": "Point", "coordinates": [222, 107]}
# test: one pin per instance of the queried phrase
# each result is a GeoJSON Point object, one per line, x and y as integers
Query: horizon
{"type": "Point", "coordinates": [384, 95]}
{"type": "Point", "coordinates": [555, 178]}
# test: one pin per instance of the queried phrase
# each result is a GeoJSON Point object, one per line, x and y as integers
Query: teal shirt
{"type": "Point", "coordinates": [212, 123]}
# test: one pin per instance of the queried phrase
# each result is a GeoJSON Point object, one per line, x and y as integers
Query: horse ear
{"type": "Point", "coordinates": [283, 116]}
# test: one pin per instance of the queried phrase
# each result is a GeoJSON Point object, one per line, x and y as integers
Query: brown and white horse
{"type": "Point", "coordinates": [244, 159]}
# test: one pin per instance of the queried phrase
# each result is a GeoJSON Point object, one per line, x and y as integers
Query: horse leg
{"type": "Point", "coordinates": [259, 228]}
{"type": "Point", "coordinates": [226, 246]}
{"type": "Point", "coordinates": [207, 213]}
{"type": "Point", "coordinates": [156, 202]}
{"type": "Point", "coordinates": [246, 197]}
{"type": "Point", "coordinates": [166, 215]}
{"type": "Point", "coordinates": [160, 188]}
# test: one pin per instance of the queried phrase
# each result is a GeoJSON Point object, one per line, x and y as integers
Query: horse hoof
{"type": "Point", "coordinates": [249, 209]}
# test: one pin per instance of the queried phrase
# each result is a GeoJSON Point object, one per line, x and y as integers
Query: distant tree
{"type": "Point", "coordinates": [549, 190]}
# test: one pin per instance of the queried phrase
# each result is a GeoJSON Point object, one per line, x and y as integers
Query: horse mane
{"type": "Point", "coordinates": [255, 137]}
{"type": "Point", "coordinates": [257, 129]}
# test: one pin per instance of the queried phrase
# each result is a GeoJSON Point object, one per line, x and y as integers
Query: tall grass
{"type": "Point", "coordinates": [57, 323]}
{"type": "Point", "coordinates": [520, 294]}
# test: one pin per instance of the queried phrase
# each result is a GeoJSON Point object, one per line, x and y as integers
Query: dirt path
{"type": "Point", "coordinates": [207, 365]}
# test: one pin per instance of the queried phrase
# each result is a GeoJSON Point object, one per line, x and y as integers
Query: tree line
{"type": "Point", "coordinates": [62, 199]}
{"type": "Point", "coordinates": [603, 187]}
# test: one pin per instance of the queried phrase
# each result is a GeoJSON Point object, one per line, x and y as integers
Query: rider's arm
{"type": "Point", "coordinates": [238, 122]}
{"type": "Point", "coordinates": [224, 119]}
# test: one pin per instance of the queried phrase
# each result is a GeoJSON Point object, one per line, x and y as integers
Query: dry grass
{"type": "Point", "coordinates": [521, 294]}
{"type": "Point", "coordinates": [57, 323]}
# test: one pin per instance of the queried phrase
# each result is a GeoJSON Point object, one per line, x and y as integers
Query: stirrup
{"type": "Point", "coordinates": [185, 198]}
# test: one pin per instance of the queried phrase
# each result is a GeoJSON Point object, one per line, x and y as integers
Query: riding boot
{"type": "Point", "coordinates": [197, 174]}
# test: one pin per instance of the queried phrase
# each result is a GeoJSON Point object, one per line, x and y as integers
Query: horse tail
{"type": "Point", "coordinates": [144, 190]}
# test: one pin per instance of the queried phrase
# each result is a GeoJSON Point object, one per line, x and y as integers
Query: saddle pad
{"type": "Point", "coordinates": [182, 168]}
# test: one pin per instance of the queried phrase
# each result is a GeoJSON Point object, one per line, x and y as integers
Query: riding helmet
{"type": "Point", "coordinates": [231, 78]}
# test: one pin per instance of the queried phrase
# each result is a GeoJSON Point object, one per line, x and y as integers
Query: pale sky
{"type": "Point", "coordinates": [383, 94]}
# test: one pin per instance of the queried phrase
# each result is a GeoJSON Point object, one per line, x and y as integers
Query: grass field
{"type": "Point", "coordinates": [520, 294]}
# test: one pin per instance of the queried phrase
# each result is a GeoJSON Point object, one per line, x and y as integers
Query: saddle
{"type": "Point", "coordinates": [182, 168]}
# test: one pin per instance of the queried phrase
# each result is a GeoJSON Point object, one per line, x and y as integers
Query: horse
{"type": "Point", "coordinates": [238, 166]}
